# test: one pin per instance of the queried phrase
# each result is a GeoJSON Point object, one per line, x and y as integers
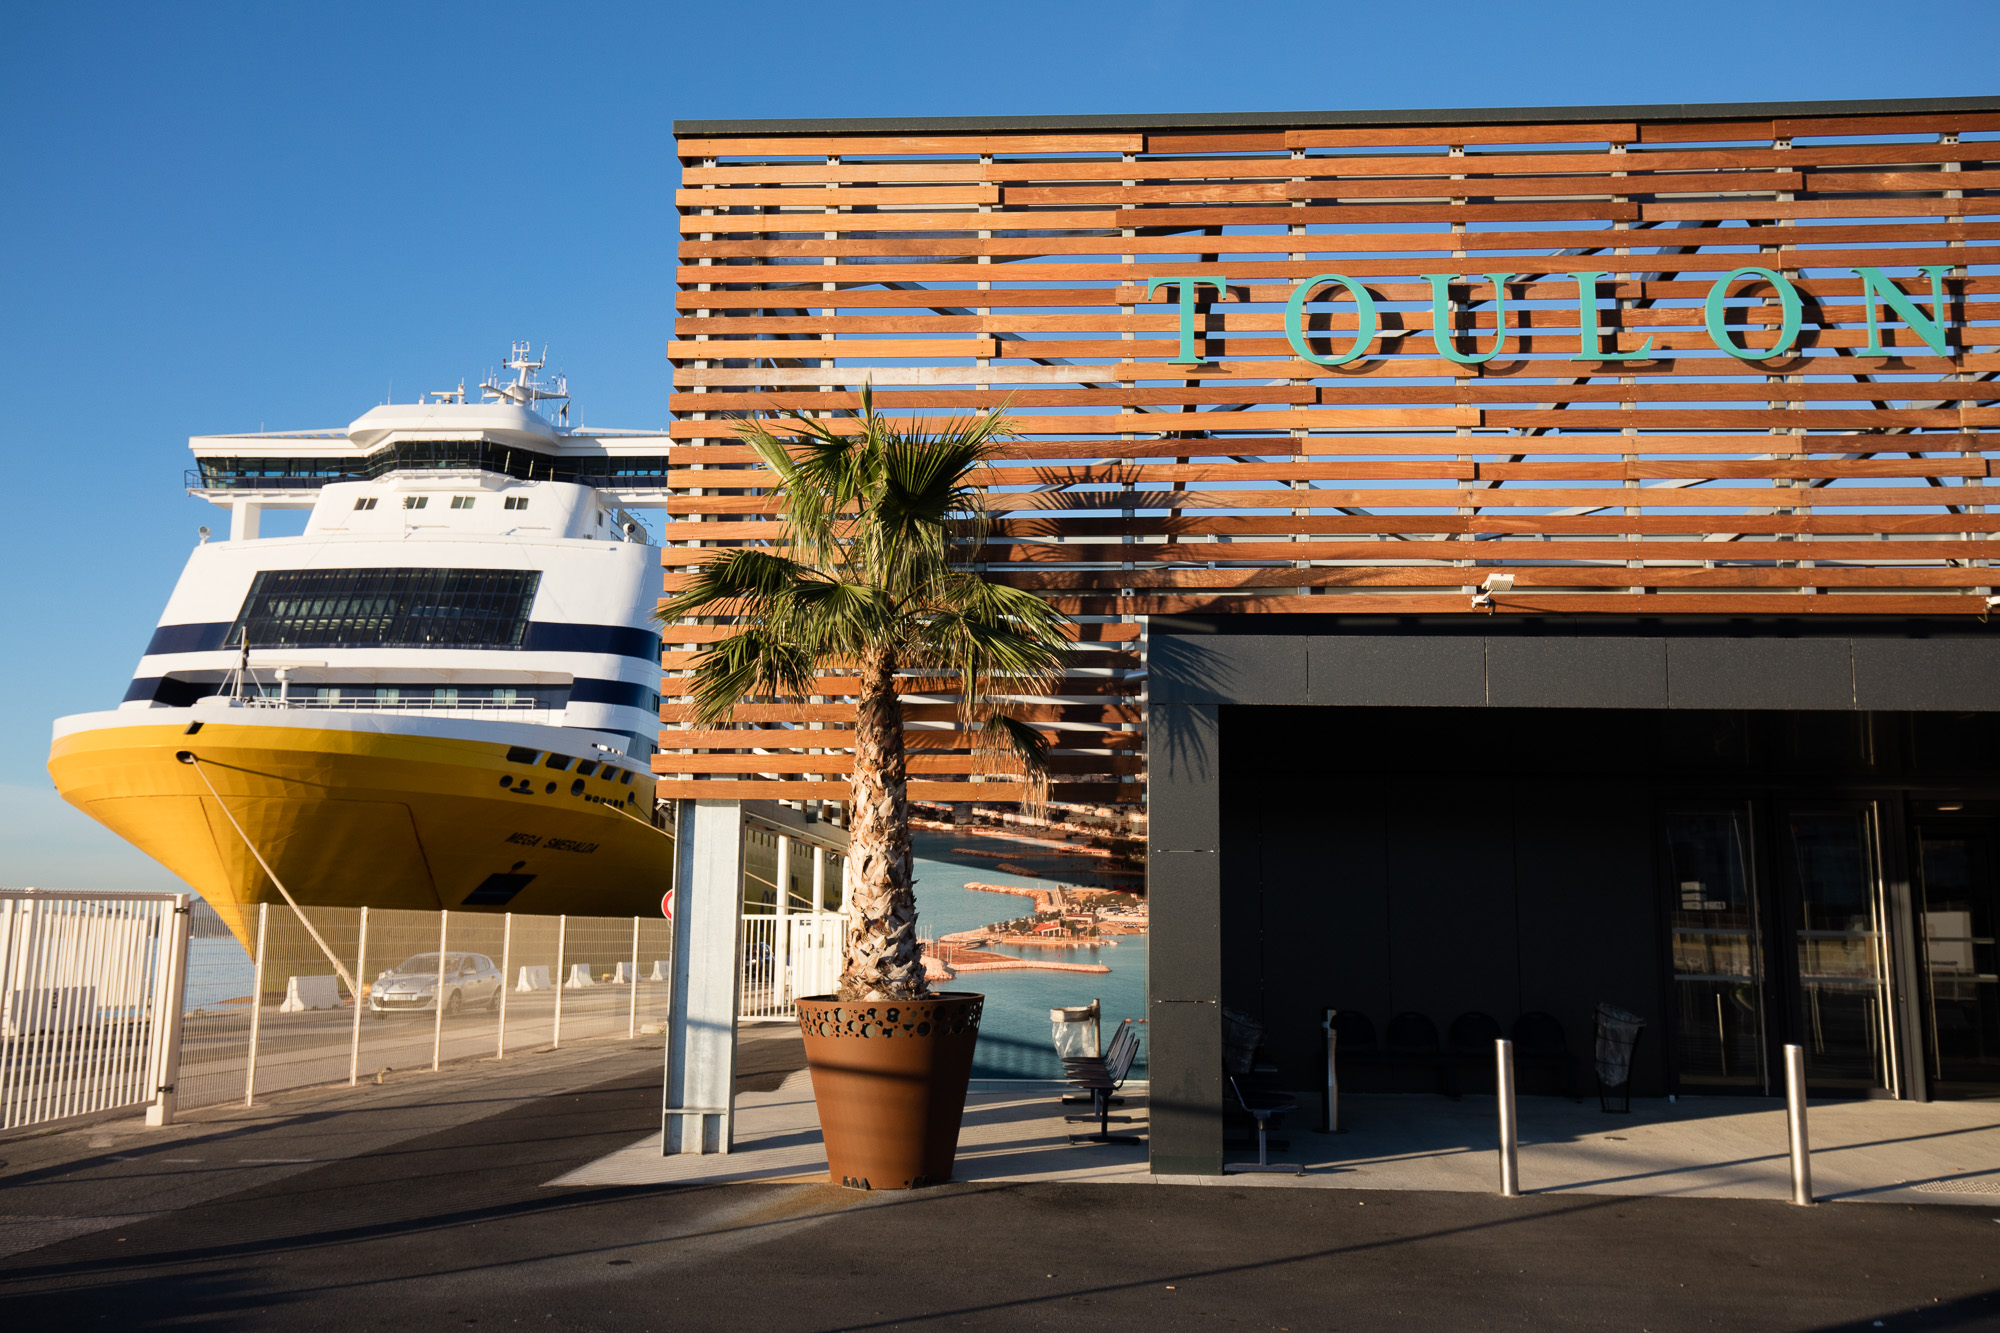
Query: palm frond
{"type": "Point", "coordinates": [744, 581]}
{"type": "Point", "coordinates": [1001, 738]}
{"type": "Point", "coordinates": [750, 661]}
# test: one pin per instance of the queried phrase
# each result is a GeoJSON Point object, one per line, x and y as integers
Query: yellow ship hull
{"type": "Point", "coordinates": [368, 815]}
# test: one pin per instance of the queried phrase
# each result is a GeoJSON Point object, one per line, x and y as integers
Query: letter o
{"type": "Point", "coordinates": [1718, 328]}
{"type": "Point", "coordinates": [1364, 318]}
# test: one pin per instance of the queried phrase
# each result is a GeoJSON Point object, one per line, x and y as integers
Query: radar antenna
{"type": "Point", "coordinates": [526, 388]}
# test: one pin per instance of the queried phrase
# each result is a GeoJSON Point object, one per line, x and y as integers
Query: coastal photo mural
{"type": "Point", "coordinates": [1033, 924]}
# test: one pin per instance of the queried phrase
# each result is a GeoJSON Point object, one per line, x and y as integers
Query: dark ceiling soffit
{"type": "Point", "coordinates": [1560, 624]}
{"type": "Point", "coordinates": [1300, 120]}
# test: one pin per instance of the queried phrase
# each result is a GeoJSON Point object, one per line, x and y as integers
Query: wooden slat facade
{"type": "Point", "coordinates": [965, 270]}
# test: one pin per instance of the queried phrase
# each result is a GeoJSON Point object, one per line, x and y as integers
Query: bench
{"type": "Point", "coordinates": [1100, 1076]}
{"type": "Point", "coordinates": [1242, 1035]}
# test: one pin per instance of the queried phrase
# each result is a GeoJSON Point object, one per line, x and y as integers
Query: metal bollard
{"type": "Point", "coordinates": [1795, 1124]}
{"type": "Point", "coordinates": [1331, 1118]}
{"type": "Point", "coordinates": [1510, 1129]}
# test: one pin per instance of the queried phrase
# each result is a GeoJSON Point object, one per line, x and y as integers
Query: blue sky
{"type": "Point", "coordinates": [233, 217]}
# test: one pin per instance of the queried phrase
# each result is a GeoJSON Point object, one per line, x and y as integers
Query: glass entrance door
{"type": "Point", "coordinates": [1960, 902]}
{"type": "Point", "coordinates": [1718, 950]}
{"type": "Point", "coordinates": [1834, 947]}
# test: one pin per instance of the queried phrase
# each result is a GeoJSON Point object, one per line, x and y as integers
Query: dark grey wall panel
{"type": "Point", "coordinates": [1225, 669]}
{"type": "Point", "coordinates": [1575, 672]}
{"type": "Point", "coordinates": [1182, 769]}
{"type": "Point", "coordinates": [1363, 671]}
{"type": "Point", "coordinates": [1184, 1091]}
{"type": "Point", "coordinates": [1313, 899]}
{"type": "Point", "coordinates": [1451, 898]}
{"type": "Point", "coordinates": [1760, 673]}
{"type": "Point", "coordinates": [1184, 892]}
{"type": "Point", "coordinates": [1585, 867]}
{"type": "Point", "coordinates": [1925, 674]}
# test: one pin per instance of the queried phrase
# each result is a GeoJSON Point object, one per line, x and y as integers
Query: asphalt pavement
{"type": "Point", "coordinates": [424, 1203]}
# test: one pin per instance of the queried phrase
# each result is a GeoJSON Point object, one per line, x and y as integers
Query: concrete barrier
{"type": "Point", "coordinates": [533, 979]}
{"type": "Point", "coordinates": [48, 1009]}
{"type": "Point", "coordinates": [303, 993]}
{"type": "Point", "coordinates": [579, 977]}
{"type": "Point", "coordinates": [659, 972]}
{"type": "Point", "coordinates": [625, 975]}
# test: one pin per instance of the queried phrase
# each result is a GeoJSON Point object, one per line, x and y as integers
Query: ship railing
{"type": "Point", "coordinates": [364, 703]}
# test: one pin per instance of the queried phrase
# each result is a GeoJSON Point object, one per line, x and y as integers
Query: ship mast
{"type": "Point", "coordinates": [526, 388]}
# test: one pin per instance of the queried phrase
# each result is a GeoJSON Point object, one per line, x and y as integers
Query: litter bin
{"type": "Point", "coordinates": [1618, 1034]}
{"type": "Point", "coordinates": [1078, 1031]}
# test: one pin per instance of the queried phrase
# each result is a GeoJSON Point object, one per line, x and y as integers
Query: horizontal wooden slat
{"type": "Point", "coordinates": [1256, 482]}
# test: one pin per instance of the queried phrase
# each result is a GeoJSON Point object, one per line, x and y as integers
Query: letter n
{"type": "Point", "coordinates": [1877, 287]}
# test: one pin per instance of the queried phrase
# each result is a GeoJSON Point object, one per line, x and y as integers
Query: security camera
{"type": "Point", "coordinates": [204, 532]}
{"type": "Point", "coordinates": [1495, 583]}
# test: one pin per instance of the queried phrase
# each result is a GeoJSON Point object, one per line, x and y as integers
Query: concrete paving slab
{"type": "Point", "coordinates": [1863, 1151]}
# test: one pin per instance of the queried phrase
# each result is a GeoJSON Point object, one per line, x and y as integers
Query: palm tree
{"type": "Point", "coordinates": [883, 525]}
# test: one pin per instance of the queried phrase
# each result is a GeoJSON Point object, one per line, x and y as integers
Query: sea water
{"type": "Point", "coordinates": [1015, 1040]}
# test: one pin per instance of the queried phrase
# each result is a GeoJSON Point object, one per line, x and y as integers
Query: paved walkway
{"type": "Point", "coordinates": [1731, 1148]}
{"type": "Point", "coordinates": [425, 1203]}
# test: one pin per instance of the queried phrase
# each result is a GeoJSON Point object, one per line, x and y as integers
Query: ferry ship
{"type": "Point", "coordinates": [443, 694]}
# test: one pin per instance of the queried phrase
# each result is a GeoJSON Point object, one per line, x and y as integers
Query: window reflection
{"type": "Point", "coordinates": [1962, 964]}
{"type": "Point", "coordinates": [1717, 949]}
{"type": "Point", "coordinates": [1838, 949]}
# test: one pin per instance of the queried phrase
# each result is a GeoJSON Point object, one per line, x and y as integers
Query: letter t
{"type": "Point", "coordinates": [1190, 287]}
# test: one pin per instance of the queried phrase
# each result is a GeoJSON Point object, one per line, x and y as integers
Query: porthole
{"type": "Point", "coordinates": [506, 779]}
{"type": "Point", "coordinates": [550, 789]}
{"type": "Point", "coordinates": [576, 788]}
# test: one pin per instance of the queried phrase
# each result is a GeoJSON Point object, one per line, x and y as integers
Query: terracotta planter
{"type": "Point", "coordinates": [890, 1078]}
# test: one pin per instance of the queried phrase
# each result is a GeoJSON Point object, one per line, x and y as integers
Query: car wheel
{"type": "Point", "coordinates": [451, 1004]}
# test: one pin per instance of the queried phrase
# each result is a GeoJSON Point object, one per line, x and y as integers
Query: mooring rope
{"type": "Point", "coordinates": [189, 757]}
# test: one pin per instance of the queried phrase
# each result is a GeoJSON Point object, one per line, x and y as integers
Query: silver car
{"type": "Point", "coordinates": [412, 986]}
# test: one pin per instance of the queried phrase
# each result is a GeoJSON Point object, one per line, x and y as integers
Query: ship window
{"type": "Point", "coordinates": [517, 502]}
{"type": "Point", "coordinates": [403, 608]}
{"type": "Point", "coordinates": [558, 762]}
{"type": "Point", "coordinates": [626, 777]}
{"type": "Point", "coordinates": [415, 501]}
{"type": "Point", "coordinates": [521, 754]}
{"type": "Point", "coordinates": [365, 502]}
{"type": "Point", "coordinates": [585, 767]}
{"type": "Point", "coordinates": [461, 501]}
{"type": "Point", "coordinates": [445, 695]}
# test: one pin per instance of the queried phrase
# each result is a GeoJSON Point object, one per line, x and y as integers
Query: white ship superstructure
{"type": "Point", "coordinates": [453, 659]}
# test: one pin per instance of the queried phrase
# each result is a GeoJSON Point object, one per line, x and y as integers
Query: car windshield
{"type": "Point", "coordinates": [426, 964]}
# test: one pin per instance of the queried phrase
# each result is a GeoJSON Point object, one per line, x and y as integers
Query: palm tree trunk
{"type": "Point", "coordinates": [883, 962]}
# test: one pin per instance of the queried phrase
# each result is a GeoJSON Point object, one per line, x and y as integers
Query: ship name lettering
{"type": "Point", "coordinates": [568, 845]}
{"type": "Point", "coordinates": [525, 839]}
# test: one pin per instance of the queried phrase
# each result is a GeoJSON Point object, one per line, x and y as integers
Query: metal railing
{"type": "Point", "coordinates": [369, 703]}
{"type": "Point", "coordinates": [90, 1004]}
{"type": "Point", "coordinates": [785, 957]}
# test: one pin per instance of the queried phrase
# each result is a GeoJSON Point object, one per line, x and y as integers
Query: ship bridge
{"type": "Point", "coordinates": [440, 433]}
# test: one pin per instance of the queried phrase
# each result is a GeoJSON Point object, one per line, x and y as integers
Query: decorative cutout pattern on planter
{"type": "Point", "coordinates": [941, 1015]}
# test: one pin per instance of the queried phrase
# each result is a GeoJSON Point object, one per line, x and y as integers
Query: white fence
{"type": "Point", "coordinates": [785, 957]}
{"type": "Point", "coordinates": [434, 987]}
{"type": "Point", "coordinates": [90, 1003]}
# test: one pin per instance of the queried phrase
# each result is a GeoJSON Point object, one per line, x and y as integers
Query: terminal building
{"type": "Point", "coordinates": [1522, 560]}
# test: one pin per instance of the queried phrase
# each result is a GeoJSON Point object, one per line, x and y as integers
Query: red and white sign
{"type": "Point", "coordinates": [667, 905]}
